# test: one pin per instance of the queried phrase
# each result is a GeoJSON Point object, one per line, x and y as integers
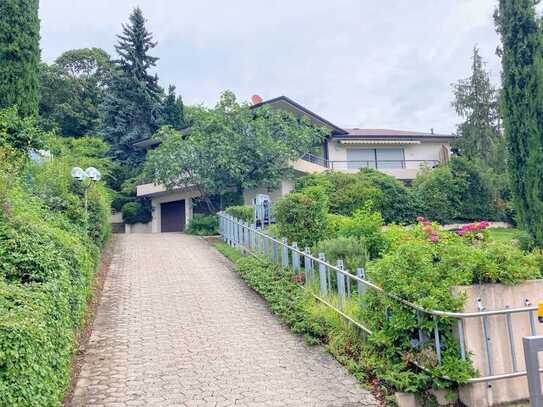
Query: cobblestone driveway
{"type": "Point", "coordinates": [176, 327]}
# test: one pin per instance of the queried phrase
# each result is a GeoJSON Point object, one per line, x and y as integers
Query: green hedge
{"type": "Point", "coordinates": [49, 250]}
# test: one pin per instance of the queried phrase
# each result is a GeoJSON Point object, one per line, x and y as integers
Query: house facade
{"type": "Point", "coordinates": [401, 154]}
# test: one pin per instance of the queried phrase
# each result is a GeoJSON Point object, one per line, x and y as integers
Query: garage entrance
{"type": "Point", "coordinates": [172, 216]}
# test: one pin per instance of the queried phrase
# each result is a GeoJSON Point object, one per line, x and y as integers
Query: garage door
{"type": "Point", "coordinates": [172, 216]}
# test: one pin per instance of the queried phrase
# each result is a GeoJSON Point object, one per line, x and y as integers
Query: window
{"type": "Point", "coordinates": [375, 158]}
{"type": "Point", "coordinates": [360, 158]}
{"type": "Point", "coordinates": [390, 158]}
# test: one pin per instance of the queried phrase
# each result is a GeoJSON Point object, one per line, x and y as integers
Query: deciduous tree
{"type": "Point", "coordinates": [231, 146]}
{"type": "Point", "coordinates": [71, 90]}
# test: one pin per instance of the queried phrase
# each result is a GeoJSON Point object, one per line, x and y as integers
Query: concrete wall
{"type": "Point", "coordinates": [498, 296]}
{"type": "Point", "coordinates": [169, 197]}
{"type": "Point", "coordinates": [138, 228]}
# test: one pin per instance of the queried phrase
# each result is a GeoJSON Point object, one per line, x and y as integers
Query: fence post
{"type": "Point", "coordinates": [228, 235]}
{"type": "Point", "coordinates": [295, 257]}
{"type": "Point", "coordinates": [266, 245]}
{"type": "Point", "coordinates": [532, 346]}
{"type": "Point", "coordinates": [308, 266]}
{"type": "Point", "coordinates": [284, 253]}
{"type": "Point", "coordinates": [340, 278]}
{"type": "Point", "coordinates": [322, 275]}
{"type": "Point", "coordinates": [275, 250]}
{"type": "Point", "coordinates": [361, 273]}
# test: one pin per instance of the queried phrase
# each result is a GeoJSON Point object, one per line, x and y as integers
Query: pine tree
{"type": "Point", "coordinates": [476, 101]}
{"type": "Point", "coordinates": [173, 110]}
{"type": "Point", "coordinates": [522, 94]}
{"type": "Point", "coordinates": [19, 55]}
{"type": "Point", "coordinates": [131, 109]}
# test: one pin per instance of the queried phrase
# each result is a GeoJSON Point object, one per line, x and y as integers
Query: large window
{"type": "Point", "coordinates": [375, 158]}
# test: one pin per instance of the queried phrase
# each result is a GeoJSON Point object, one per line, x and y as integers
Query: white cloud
{"type": "Point", "coordinates": [356, 62]}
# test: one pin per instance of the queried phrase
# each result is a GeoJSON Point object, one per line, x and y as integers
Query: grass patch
{"type": "Point", "coordinates": [503, 235]}
{"type": "Point", "coordinates": [227, 250]}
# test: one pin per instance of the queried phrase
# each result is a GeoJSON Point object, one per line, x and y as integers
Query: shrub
{"type": "Point", "coordinates": [351, 250]}
{"type": "Point", "coordinates": [301, 216]}
{"type": "Point", "coordinates": [203, 225]}
{"type": "Point", "coordinates": [344, 192]}
{"type": "Point", "coordinates": [458, 191]}
{"type": "Point", "coordinates": [137, 212]}
{"type": "Point", "coordinates": [396, 202]}
{"type": "Point", "coordinates": [245, 213]}
{"type": "Point", "coordinates": [367, 225]}
{"type": "Point", "coordinates": [347, 193]}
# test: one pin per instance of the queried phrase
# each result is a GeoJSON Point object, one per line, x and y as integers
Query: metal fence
{"type": "Point", "coordinates": [533, 345]}
{"type": "Point", "coordinates": [336, 287]}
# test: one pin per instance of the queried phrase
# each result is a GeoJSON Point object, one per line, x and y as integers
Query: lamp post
{"type": "Point", "coordinates": [92, 174]}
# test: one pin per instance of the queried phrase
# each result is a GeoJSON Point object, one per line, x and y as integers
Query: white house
{"type": "Point", "coordinates": [395, 152]}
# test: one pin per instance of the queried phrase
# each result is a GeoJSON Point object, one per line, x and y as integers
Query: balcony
{"type": "Point", "coordinates": [401, 169]}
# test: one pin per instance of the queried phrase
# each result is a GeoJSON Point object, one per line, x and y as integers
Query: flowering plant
{"type": "Point", "coordinates": [428, 228]}
{"type": "Point", "coordinates": [474, 231]}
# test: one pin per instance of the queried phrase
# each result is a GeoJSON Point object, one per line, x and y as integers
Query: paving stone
{"type": "Point", "coordinates": [175, 326]}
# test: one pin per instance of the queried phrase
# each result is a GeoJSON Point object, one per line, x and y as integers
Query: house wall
{"type": "Point", "coordinates": [174, 196]}
{"type": "Point", "coordinates": [283, 189]}
{"type": "Point", "coordinates": [423, 151]}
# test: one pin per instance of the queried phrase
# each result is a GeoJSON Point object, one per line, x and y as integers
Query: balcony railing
{"type": "Point", "coordinates": [315, 159]}
{"type": "Point", "coordinates": [375, 164]}
{"type": "Point", "coordinates": [381, 164]}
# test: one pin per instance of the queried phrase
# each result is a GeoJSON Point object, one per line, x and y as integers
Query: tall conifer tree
{"type": "Point", "coordinates": [522, 82]}
{"type": "Point", "coordinates": [19, 55]}
{"type": "Point", "coordinates": [131, 109]}
{"type": "Point", "coordinates": [173, 110]}
{"type": "Point", "coordinates": [476, 101]}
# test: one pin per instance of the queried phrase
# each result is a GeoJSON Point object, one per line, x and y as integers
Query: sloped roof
{"type": "Point", "coordinates": [284, 101]}
{"type": "Point", "coordinates": [389, 133]}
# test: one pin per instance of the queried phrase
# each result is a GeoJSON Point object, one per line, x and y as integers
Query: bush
{"type": "Point", "coordinates": [137, 212]}
{"type": "Point", "coordinates": [344, 192]}
{"type": "Point", "coordinates": [396, 202]}
{"type": "Point", "coordinates": [351, 250]}
{"type": "Point", "coordinates": [365, 224]}
{"type": "Point", "coordinates": [347, 193]}
{"type": "Point", "coordinates": [302, 216]}
{"type": "Point", "coordinates": [203, 225]}
{"type": "Point", "coordinates": [458, 191]}
{"type": "Point", "coordinates": [245, 213]}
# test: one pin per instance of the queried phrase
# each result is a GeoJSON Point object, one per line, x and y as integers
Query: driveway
{"type": "Point", "coordinates": [176, 327]}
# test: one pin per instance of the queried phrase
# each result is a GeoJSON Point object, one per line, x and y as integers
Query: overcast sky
{"type": "Point", "coordinates": [358, 63]}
